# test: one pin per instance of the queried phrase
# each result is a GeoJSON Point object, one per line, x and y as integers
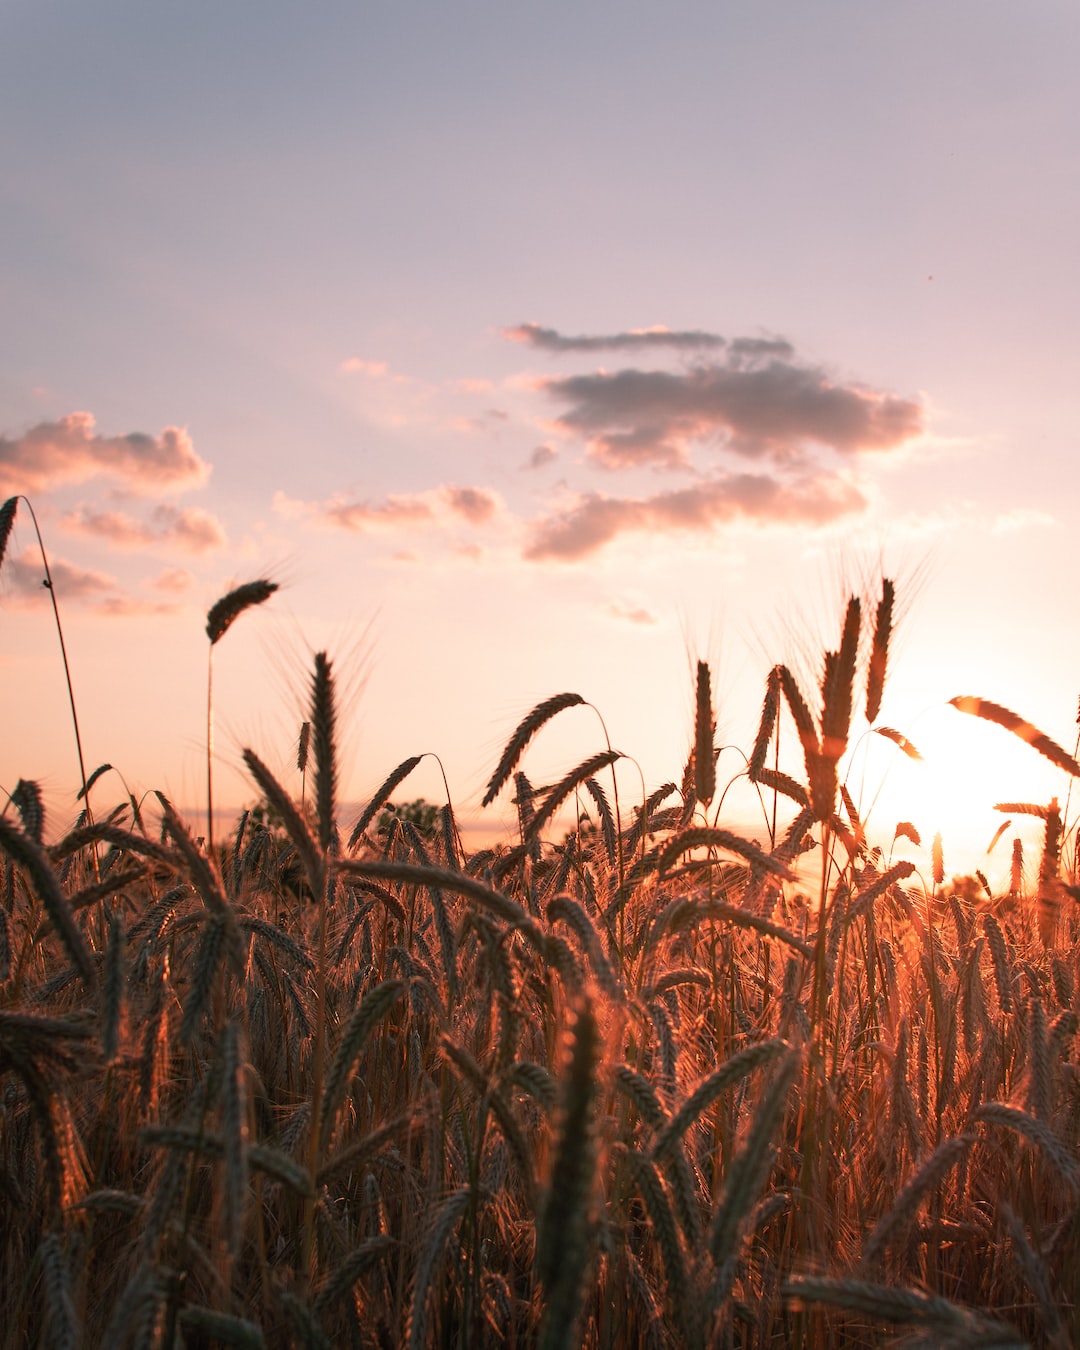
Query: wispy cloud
{"type": "Point", "coordinates": [1022, 518]}
{"type": "Point", "coordinates": [190, 529]}
{"type": "Point", "coordinates": [131, 607]}
{"type": "Point", "coordinates": [759, 407]}
{"type": "Point", "coordinates": [23, 578]}
{"type": "Point", "coordinates": [70, 451]}
{"type": "Point", "coordinates": [396, 511]}
{"type": "Point", "coordinates": [173, 581]}
{"type": "Point", "coordinates": [629, 613]}
{"type": "Point", "coordinates": [595, 520]}
{"type": "Point", "coordinates": [356, 365]}
{"type": "Point", "coordinates": [551, 340]}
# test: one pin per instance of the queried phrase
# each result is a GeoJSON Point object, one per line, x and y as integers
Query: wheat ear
{"type": "Point", "coordinates": [446, 1220]}
{"type": "Point", "coordinates": [903, 1209]}
{"type": "Point", "coordinates": [562, 1232]}
{"type": "Point", "coordinates": [739, 1066]}
{"type": "Point", "coordinates": [704, 734]}
{"type": "Point", "coordinates": [879, 650]}
{"type": "Point", "coordinates": [381, 794]}
{"type": "Point", "coordinates": [565, 786]}
{"type": "Point", "coordinates": [1003, 717]}
{"type": "Point", "coordinates": [32, 857]}
{"type": "Point", "coordinates": [523, 734]}
{"type": "Point", "coordinates": [323, 726]}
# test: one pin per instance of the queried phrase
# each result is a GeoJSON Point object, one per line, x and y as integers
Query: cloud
{"type": "Point", "coordinates": [355, 365]}
{"type": "Point", "coordinates": [393, 511]}
{"type": "Point", "coordinates": [550, 340]}
{"type": "Point", "coordinates": [477, 505]}
{"type": "Point", "coordinates": [129, 607]}
{"type": "Point", "coordinates": [543, 454]}
{"type": "Point", "coordinates": [193, 530]}
{"type": "Point", "coordinates": [397, 511]}
{"type": "Point", "coordinates": [756, 404]}
{"type": "Point", "coordinates": [69, 451]}
{"type": "Point", "coordinates": [1021, 518]}
{"type": "Point", "coordinates": [595, 520]}
{"type": "Point", "coordinates": [173, 581]}
{"type": "Point", "coordinates": [636, 614]}
{"type": "Point", "coordinates": [26, 576]}
{"type": "Point", "coordinates": [190, 529]}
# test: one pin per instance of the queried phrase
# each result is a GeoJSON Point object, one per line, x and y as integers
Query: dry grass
{"type": "Point", "coordinates": [629, 1088]}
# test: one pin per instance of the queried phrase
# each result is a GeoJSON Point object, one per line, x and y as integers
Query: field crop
{"type": "Point", "coordinates": [643, 1083]}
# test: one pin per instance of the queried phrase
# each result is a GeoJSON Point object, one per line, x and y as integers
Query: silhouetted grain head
{"type": "Point", "coordinates": [302, 746]}
{"type": "Point", "coordinates": [837, 686]}
{"type": "Point", "coordinates": [879, 650]}
{"type": "Point", "coordinates": [704, 733]}
{"type": "Point", "coordinates": [523, 734]}
{"type": "Point", "coordinates": [323, 724]}
{"type": "Point", "coordinates": [1002, 717]}
{"type": "Point", "coordinates": [7, 520]}
{"type": "Point", "coordinates": [224, 612]}
{"type": "Point", "coordinates": [769, 709]}
{"type": "Point", "coordinates": [382, 794]}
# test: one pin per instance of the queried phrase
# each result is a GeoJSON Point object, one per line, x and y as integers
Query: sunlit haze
{"type": "Point", "coordinates": [534, 349]}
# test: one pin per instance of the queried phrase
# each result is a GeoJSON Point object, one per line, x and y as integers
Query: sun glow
{"type": "Point", "coordinates": [967, 769]}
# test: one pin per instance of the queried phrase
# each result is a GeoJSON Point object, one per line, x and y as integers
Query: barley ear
{"type": "Point", "coordinates": [562, 789]}
{"type": "Point", "coordinates": [323, 724]}
{"type": "Point", "coordinates": [523, 734]}
{"type": "Point", "coordinates": [382, 793]}
{"type": "Point", "coordinates": [904, 1208]}
{"type": "Point", "coordinates": [235, 1135]}
{"type": "Point", "coordinates": [704, 738]}
{"type": "Point", "coordinates": [879, 651]}
{"type": "Point", "coordinates": [112, 1007]}
{"type": "Point", "coordinates": [769, 709]}
{"type": "Point", "coordinates": [1003, 717]}
{"type": "Point", "coordinates": [7, 520]}
{"type": "Point", "coordinates": [562, 1232]}
{"type": "Point", "coordinates": [32, 857]}
{"type": "Point", "coordinates": [374, 1006]}
{"type": "Point", "coordinates": [748, 1173]}
{"type": "Point", "coordinates": [224, 612]}
{"type": "Point", "coordinates": [427, 1267]}
{"type": "Point", "coordinates": [60, 1315]}
{"type": "Point", "coordinates": [295, 825]}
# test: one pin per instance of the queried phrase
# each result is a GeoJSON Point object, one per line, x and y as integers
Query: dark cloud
{"type": "Point", "coordinates": [595, 520]}
{"type": "Point", "coordinates": [543, 454]}
{"type": "Point", "coordinates": [191, 530]}
{"type": "Point", "coordinates": [69, 451]}
{"type": "Point", "coordinates": [550, 340]}
{"type": "Point", "coordinates": [476, 504]}
{"type": "Point", "coordinates": [756, 404]}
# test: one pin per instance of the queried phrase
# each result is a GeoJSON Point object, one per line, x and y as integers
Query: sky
{"type": "Point", "coordinates": [531, 349]}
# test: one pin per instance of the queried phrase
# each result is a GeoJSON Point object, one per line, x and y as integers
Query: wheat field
{"type": "Point", "coordinates": [640, 1081]}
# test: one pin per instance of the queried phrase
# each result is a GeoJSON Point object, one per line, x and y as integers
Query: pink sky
{"type": "Point", "coordinates": [537, 356]}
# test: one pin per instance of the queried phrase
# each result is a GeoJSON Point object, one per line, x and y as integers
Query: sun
{"type": "Point", "coordinates": [967, 768]}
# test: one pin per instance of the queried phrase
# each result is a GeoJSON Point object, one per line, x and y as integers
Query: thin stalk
{"type": "Point", "coordinates": [210, 753]}
{"type": "Point", "coordinates": [48, 584]}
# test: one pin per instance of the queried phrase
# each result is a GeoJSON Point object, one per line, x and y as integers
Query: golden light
{"type": "Point", "coordinates": [968, 767]}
